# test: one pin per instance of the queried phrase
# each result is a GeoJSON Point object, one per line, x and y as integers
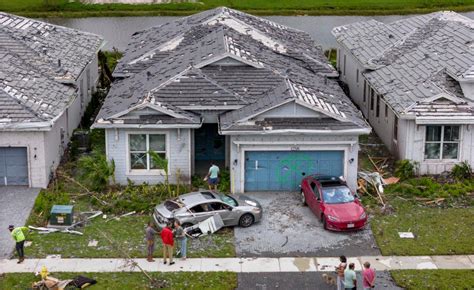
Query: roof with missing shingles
{"type": "Point", "coordinates": [415, 59]}
{"type": "Point", "coordinates": [182, 63]}
{"type": "Point", "coordinates": [38, 62]}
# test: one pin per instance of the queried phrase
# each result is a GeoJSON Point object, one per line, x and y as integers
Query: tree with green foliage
{"type": "Point", "coordinates": [95, 171]}
{"type": "Point", "coordinates": [161, 163]}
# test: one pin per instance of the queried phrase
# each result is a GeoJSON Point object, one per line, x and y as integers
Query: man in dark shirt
{"type": "Point", "coordinates": [150, 233]}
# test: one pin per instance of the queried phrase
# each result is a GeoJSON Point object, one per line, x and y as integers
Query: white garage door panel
{"type": "Point", "coordinates": [13, 166]}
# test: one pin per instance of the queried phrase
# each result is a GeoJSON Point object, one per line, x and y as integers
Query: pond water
{"type": "Point", "coordinates": [117, 30]}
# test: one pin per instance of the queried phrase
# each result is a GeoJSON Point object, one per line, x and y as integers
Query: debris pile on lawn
{"type": "Point", "coordinates": [49, 282]}
{"type": "Point", "coordinates": [84, 217]}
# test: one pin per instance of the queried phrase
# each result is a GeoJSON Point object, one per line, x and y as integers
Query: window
{"type": "Point", "coordinates": [395, 128]}
{"type": "Point", "coordinates": [377, 111]}
{"type": "Point", "coordinates": [357, 75]}
{"type": "Point", "coordinates": [442, 142]}
{"type": "Point", "coordinates": [140, 145]}
{"type": "Point", "coordinates": [315, 189]}
{"type": "Point", "coordinates": [344, 69]}
{"type": "Point", "coordinates": [365, 91]}
{"type": "Point", "coordinates": [372, 100]}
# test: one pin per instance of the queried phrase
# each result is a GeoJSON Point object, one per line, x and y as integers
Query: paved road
{"type": "Point", "coordinates": [302, 281]}
{"type": "Point", "coordinates": [290, 229]}
{"type": "Point", "coordinates": [16, 203]}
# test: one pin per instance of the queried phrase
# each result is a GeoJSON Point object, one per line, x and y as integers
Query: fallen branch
{"type": "Point", "coordinates": [121, 216]}
{"type": "Point", "coordinates": [88, 192]}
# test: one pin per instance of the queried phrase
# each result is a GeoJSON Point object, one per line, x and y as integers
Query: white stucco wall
{"type": "Point", "coordinates": [285, 143]}
{"type": "Point", "coordinates": [178, 153]}
{"type": "Point", "coordinates": [33, 141]}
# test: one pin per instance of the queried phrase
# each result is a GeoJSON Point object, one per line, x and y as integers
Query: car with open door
{"type": "Point", "coordinates": [195, 207]}
{"type": "Point", "coordinates": [332, 201]}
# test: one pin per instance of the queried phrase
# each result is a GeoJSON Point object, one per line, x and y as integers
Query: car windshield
{"type": "Point", "coordinates": [338, 194]}
{"type": "Point", "coordinates": [228, 200]}
{"type": "Point", "coordinates": [172, 205]}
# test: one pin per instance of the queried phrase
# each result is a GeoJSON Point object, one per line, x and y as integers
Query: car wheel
{"type": "Point", "coordinates": [246, 220]}
{"type": "Point", "coordinates": [303, 199]}
{"type": "Point", "coordinates": [325, 224]}
{"type": "Point", "coordinates": [186, 225]}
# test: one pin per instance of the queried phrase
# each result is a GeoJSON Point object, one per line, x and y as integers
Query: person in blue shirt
{"type": "Point", "coordinates": [213, 176]}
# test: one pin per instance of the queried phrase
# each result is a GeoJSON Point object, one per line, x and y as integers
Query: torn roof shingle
{"type": "Point", "coordinates": [38, 61]}
{"type": "Point", "coordinates": [181, 63]}
{"type": "Point", "coordinates": [413, 59]}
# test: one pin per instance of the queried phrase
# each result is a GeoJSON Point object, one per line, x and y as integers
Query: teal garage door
{"type": "Point", "coordinates": [13, 166]}
{"type": "Point", "coordinates": [283, 170]}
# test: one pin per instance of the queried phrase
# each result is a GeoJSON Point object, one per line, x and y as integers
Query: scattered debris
{"type": "Point", "coordinates": [406, 235]}
{"type": "Point", "coordinates": [28, 244]}
{"type": "Point", "coordinates": [43, 230]}
{"type": "Point", "coordinates": [391, 180]}
{"type": "Point", "coordinates": [121, 216]}
{"type": "Point", "coordinates": [93, 243]}
{"type": "Point", "coordinates": [286, 242]}
{"type": "Point", "coordinates": [207, 226]}
{"type": "Point", "coordinates": [376, 182]}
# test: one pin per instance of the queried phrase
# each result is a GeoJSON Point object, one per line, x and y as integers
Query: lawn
{"type": "Point", "coordinates": [128, 234]}
{"type": "Point", "coordinates": [434, 279]}
{"type": "Point", "coordinates": [178, 280]}
{"type": "Point", "coordinates": [438, 231]}
{"type": "Point", "coordinates": [66, 8]}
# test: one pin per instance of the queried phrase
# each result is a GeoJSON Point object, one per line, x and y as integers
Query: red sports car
{"type": "Point", "coordinates": [333, 202]}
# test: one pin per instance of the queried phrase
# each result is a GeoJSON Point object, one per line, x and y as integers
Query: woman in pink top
{"type": "Point", "coordinates": [368, 277]}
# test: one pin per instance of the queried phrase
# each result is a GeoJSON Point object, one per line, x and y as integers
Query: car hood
{"type": "Point", "coordinates": [349, 211]}
{"type": "Point", "coordinates": [241, 198]}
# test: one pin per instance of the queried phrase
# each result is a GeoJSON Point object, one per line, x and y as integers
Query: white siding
{"type": "Point", "coordinates": [178, 149]}
{"type": "Point", "coordinates": [317, 142]}
{"type": "Point", "coordinates": [416, 150]}
{"type": "Point", "coordinates": [290, 110]}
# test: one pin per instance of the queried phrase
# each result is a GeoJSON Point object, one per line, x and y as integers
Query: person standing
{"type": "Point", "coordinates": [350, 278]}
{"type": "Point", "coordinates": [340, 272]}
{"type": "Point", "coordinates": [368, 277]}
{"type": "Point", "coordinates": [19, 237]}
{"type": "Point", "coordinates": [150, 234]}
{"type": "Point", "coordinates": [168, 244]}
{"type": "Point", "coordinates": [213, 176]}
{"type": "Point", "coordinates": [180, 235]}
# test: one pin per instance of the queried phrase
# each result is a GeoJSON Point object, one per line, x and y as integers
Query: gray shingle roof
{"type": "Point", "coordinates": [413, 59]}
{"type": "Point", "coordinates": [170, 64]}
{"type": "Point", "coordinates": [33, 86]}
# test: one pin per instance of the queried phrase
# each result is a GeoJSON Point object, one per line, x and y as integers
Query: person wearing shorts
{"type": "Point", "coordinates": [213, 176]}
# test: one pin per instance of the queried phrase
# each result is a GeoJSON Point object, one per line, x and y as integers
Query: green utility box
{"type": "Point", "coordinates": [61, 215]}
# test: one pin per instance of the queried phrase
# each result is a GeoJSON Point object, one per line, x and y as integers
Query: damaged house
{"type": "Point", "coordinates": [413, 80]}
{"type": "Point", "coordinates": [47, 75]}
{"type": "Point", "coordinates": [251, 95]}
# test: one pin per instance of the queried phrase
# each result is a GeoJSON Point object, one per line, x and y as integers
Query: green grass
{"type": "Point", "coordinates": [64, 8]}
{"type": "Point", "coordinates": [128, 233]}
{"type": "Point", "coordinates": [434, 279]}
{"type": "Point", "coordinates": [438, 231]}
{"type": "Point", "coordinates": [178, 280]}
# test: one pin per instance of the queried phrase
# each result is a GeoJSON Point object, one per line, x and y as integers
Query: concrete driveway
{"type": "Point", "coordinates": [290, 229]}
{"type": "Point", "coordinates": [16, 203]}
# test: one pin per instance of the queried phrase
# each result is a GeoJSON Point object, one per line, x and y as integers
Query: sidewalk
{"type": "Point", "coordinates": [239, 265]}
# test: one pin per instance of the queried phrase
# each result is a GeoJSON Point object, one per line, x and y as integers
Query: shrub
{"type": "Point", "coordinates": [44, 202]}
{"type": "Point", "coordinates": [461, 171]}
{"type": "Point", "coordinates": [95, 171]}
{"type": "Point", "coordinates": [405, 169]}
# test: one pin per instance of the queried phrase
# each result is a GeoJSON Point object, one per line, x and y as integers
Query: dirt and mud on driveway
{"type": "Point", "coordinates": [290, 229]}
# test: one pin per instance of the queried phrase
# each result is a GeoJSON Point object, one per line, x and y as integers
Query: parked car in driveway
{"type": "Point", "coordinates": [194, 207]}
{"type": "Point", "coordinates": [331, 200]}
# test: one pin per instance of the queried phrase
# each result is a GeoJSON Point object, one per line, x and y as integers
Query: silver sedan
{"type": "Point", "coordinates": [195, 207]}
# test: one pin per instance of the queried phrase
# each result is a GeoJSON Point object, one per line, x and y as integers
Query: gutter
{"type": "Point", "coordinates": [295, 131]}
{"type": "Point", "coordinates": [144, 126]}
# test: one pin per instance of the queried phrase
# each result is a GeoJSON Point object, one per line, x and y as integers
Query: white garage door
{"type": "Point", "coordinates": [13, 166]}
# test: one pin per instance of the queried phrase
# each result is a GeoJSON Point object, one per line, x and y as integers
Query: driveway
{"type": "Point", "coordinates": [290, 229]}
{"type": "Point", "coordinates": [16, 203]}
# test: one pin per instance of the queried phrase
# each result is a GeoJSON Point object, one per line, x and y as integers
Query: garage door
{"type": "Point", "coordinates": [283, 170]}
{"type": "Point", "coordinates": [13, 166]}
